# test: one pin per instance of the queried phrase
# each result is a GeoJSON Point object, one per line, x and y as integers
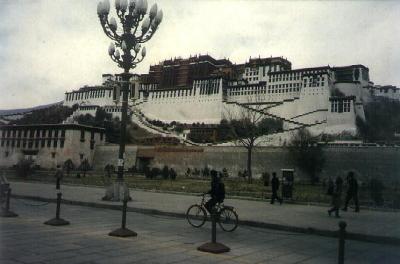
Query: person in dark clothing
{"type": "Point", "coordinates": [275, 188]}
{"type": "Point", "coordinates": [217, 191]}
{"type": "Point", "coordinates": [352, 192]}
{"type": "Point", "coordinates": [336, 197]}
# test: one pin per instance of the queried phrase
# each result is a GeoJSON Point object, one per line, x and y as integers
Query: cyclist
{"type": "Point", "coordinates": [217, 191]}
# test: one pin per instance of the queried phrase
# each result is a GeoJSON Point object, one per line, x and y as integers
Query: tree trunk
{"type": "Point", "coordinates": [249, 173]}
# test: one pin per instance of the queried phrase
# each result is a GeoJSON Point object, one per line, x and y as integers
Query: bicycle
{"type": "Point", "coordinates": [227, 217]}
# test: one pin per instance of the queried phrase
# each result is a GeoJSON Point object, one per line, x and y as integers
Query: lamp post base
{"type": "Point", "coordinates": [122, 232]}
{"type": "Point", "coordinates": [56, 222]}
{"type": "Point", "coordinates": [215, 248]}
{"type": "Point", "coordinates": [116, 192]}
{"type": "Point", "coordinates": [8, 213]}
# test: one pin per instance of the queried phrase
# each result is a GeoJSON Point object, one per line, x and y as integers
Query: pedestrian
{"type": "Point", "coordinates": [275, 188]}
{"type": "Point", "coordinates": [352, 192]}
{"type": "Point", "coordinates": [336, 197]}
{"type": "Point", "coordinates": [217, 191]}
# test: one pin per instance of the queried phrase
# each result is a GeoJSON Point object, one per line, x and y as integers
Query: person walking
{"type": "Point", "coordinates": [275, 187]}
{"type": "Point", "coordinates": [336, 197]}
{"type": "Point", "coordinates": [352, 192]}
{"type": "Point", "coordinates": [217, 191]}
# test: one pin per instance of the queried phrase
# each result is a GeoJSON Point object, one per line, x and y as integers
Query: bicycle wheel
{"type": "Point", "coordinates": [196, 215]}
{"type": "Point", "coordinates": [228, 219]}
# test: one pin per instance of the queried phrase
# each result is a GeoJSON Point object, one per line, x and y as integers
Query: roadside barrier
{"type": "Point", "coordinates": [57, 221]}
{"type": "Point", "coordinates": [342, 239]}
{"type": "Point", "coordinates": [5, 212]}
{"type": "Point", "coordinates": [123, 231]}
{"type": "Point", "coordinates": [214, 246]}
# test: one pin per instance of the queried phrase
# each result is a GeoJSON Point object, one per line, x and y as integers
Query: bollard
{"type": "Point", "coordinates": [123, 231]}
{"type": "Point", "coordinates": [57, 221]}
{"type": "Point", "coordinates": [213, 228]}
{"type": "Point", "coordinates": [214, 246]}
{"type": "Point", "coordinates": [5, 212]}
{"type": "Point", "coordinates": [342, 237]}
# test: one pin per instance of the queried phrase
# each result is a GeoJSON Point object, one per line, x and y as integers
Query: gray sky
{"type": "Point", "coordinates": [48, 47]}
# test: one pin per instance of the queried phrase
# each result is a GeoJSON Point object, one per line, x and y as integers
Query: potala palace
{"type": "Point", "coordinates": [202, 89]}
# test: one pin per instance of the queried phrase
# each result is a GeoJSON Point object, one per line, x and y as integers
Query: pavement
{"type": "Point", "coordinates": [161, 239]}
{"type": "Point", "coordinates": [368, 225]}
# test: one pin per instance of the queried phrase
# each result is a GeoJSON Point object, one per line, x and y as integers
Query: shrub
{"type": "Point", "coordinates": [155, 172]}
{"type": "Point", "coordinates": [225, 173]}
{"type": "Point", "coordinates": [147, 172]}
{"type": "Point", "coordinates": [165, 172]}
{"type": "Point", "coordinates": [376, 191]}
{"type": "Point", "coordinates": [109, 168]}
{"type": "Point", "coordinates": [265, 177]}
{"type": "Point", "coordinates": [188, 172]}
{"type": "Point", "coordinates": [68, 166]}
{"type": "Point", "coordinates": [24, 168]}
{"type": "Point", "coordinates": [84, 167]}
{"type": "Point", "coordinates": [206, 172]}
{"type": "Point", "coordinates": [172, 174]}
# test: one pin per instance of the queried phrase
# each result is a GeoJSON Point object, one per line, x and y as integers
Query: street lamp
{"type": "Point", "coordinates": [127, 51]}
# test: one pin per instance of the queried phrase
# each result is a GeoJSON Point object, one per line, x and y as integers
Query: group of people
{"type": "Point", "coordinates": [335, 190]}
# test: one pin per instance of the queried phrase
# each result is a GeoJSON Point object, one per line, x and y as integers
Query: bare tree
{"type": "Point", "coordinates": [247, 125]}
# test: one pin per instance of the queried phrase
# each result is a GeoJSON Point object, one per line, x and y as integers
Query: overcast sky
{"type": "Point", "coordinates": [48, 47]}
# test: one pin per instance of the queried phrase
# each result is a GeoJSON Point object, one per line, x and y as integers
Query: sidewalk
{"type": "Point", "coordinates": [375, 225]}
{"type": "Point", "coordinates": [25, 239]}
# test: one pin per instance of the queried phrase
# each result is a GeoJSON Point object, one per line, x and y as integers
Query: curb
{"type": "Point", "coordinates": [287, 228]}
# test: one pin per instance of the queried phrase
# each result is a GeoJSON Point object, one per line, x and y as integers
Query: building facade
{"type": "Point", "coordinates": [48, 145]}
{"type": "Point", "coordinates": [202, 89]}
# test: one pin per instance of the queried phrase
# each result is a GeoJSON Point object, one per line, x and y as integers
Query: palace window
{"type": "Point", "coordinates": [346, 106]}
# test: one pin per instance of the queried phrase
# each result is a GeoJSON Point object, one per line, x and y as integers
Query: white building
{"type": "Point", "coordinates": [49, 145]}
{"type": "Point", "coordinates": [201, 89]}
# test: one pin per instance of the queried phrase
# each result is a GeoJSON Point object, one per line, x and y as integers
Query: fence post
{"type": "Point", "coordinates": [5, 212]}
{"type": "Point", "coordinates": [342, 237]}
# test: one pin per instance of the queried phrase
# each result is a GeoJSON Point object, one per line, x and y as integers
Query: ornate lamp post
{"type": "Point", "coordinates": [136, 28]}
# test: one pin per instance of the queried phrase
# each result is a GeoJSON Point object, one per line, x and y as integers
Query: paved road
{"type": "Point", "coordinates": [26, 239]}
{"type": "Point", "coordinates": [367, 222]}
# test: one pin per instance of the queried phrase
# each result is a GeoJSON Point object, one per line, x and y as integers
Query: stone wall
{"type": "Point", "coordinates": [381, 162]}
{"type": "Point", "coordinates": [108, 154]}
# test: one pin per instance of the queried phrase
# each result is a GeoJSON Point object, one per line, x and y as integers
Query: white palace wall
{"type": "Point", "coordinates": [201, 104]}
